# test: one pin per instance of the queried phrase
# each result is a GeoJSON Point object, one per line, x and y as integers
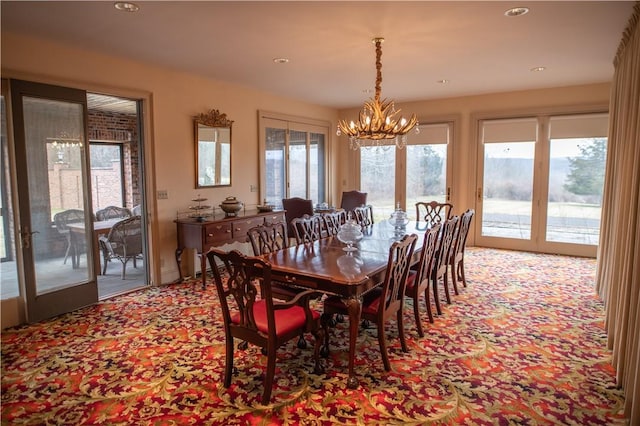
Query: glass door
{"type": "Point", "coordinates": [418, 172]}
{"type": "Point", "coordinates": [507, 178]}
{"type": "Point", "coordinates": [540, 183]}
{"type": "Point", "coordinates": [56, 226]}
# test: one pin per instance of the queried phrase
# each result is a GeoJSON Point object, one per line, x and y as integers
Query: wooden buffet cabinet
{"type": "Point", "coordinates": [202, 235]}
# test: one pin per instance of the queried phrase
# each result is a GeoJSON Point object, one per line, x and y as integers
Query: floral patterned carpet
{"type": "Point", "coordinates": [523, 344]}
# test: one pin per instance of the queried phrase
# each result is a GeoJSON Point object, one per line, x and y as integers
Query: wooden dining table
{"type": "Point", "coordinates": [77, 233]}
{"type": "Point", "coordinates": [324, 266]}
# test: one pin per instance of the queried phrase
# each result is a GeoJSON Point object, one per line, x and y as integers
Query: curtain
{"type": "Point", "coordinates": [618, 274]}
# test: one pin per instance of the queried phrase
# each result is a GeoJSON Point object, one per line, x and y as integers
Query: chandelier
{"type": "Point", "coordinates": [377, 125]}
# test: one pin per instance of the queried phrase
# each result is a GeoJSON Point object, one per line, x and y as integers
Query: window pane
{"type": "Point", "coordinates": [225, 164]}
{"type": "Point", "coordinates": [576, 179]}
{"type": "Point", "coordinates": [377, 179]}
{"type": "Point", "coordinates": [275, 163]}
{"type": "Point", "coordinates": [297, 164]}
{"type": "Point", "coordinates": [106, 175]}
{"type": "Point", "coordinates": [507, 189]}
{"type": "Point", "coordinates": [316, 168]}
{"type": "Point", "coordinates": [426, 173]}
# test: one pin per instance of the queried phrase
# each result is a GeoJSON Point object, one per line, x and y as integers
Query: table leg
{"type": "Point", "coordinates": [97, 253]}
{"type": "Point", "coordinates": [179, 251]}
{"type": "Point", "coordinates": [354, 305]}
{"type": "Point", "coordinates": [73, 244]}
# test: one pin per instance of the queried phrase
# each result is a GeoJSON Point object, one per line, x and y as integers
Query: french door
{"type": "Point", "coordinates": [43, 115]}
{"type": "Point", "coordinates": [540, 182]}
{"type": "Point", "coordinates": [421, 171]}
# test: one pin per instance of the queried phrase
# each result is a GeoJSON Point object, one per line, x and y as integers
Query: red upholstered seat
{"type": "Point", "coordinates": [411, 280]}
{"type": "Point", "coordinates": [287, 320]}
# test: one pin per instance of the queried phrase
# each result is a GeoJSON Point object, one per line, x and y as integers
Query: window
{"type": "Point", "coordinates": [293, 158]}
{"type": "Point", "coordinates": [107, 171]}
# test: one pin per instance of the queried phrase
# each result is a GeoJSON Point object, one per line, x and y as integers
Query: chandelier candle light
{"type": "Point", "coordinates": [377, 125]}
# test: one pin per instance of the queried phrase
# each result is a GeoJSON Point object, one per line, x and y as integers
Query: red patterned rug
{"type": "Point", "coordinates": [523, 344]}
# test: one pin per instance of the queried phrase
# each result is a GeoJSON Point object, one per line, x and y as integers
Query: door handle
{"type": "Point", "coordinates": [25, 236]}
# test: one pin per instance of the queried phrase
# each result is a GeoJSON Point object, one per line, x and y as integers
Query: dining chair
{"type": "Point", "coordinates": [456, 263]}
{"type": "Point", "coordinates": [439, 271]}
{"type": "Point", "coordinates": [296, 207]}
{"type": "Point", "coordinates": [419, 280]}
{"type": "Point", "coordinates": [268, 238]}
{"type": "Point", "coordinates": [386, 300]}
{"type": "Point", "coordinates": [261, 321]}
{"type": "Point", "coordinates": [307, 228]}
{"type": "Point", "coordinates": [123, 242]}
{"type": "Point", "coordinates": [363, 215]}
{"type": "Point", "coordinates": [433, 211]}
{"type": "Point", "coordinates": [352, 199]}
{"type": "Point", "coordinates": [113, 212]}
{"type": "Point", "coordinates": [61, 220]}
{"type": "Point", "coordinates": [331, 222]}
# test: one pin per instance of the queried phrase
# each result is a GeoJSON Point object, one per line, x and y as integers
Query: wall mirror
{"type": "Point", "coordinates": [213, 149]}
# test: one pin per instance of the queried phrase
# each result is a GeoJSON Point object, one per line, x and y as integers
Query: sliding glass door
{"type": "Point", "coordinates": [540, 182]}
{"type": "Point", "coordinates": [293, 160]}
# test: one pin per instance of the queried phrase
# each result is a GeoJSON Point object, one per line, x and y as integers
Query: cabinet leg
{"type": "Point", "coordinates": [203, 270]}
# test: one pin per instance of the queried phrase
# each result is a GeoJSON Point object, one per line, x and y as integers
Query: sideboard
{"type": "Point", "coordinates": [202, 235]}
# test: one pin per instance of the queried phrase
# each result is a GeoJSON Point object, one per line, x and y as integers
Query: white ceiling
{"type": "Point", "coordinates": [332, 59]}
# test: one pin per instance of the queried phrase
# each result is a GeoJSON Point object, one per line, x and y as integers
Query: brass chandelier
{"type": "Point", "coordinates": [377, 124]}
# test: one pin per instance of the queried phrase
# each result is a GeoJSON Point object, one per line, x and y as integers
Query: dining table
{"type": "Point", "coordinates": [325, 266]}
{"type": "Point", "coordinates": [77, 233]}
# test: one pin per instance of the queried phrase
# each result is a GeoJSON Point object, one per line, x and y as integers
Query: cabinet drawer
{"type": "Point", "coordinates": [241, 226]}
{"type": "Point", "coordinates": [274, 218]}
{"type": "Point", "coordinates": [217, 233]}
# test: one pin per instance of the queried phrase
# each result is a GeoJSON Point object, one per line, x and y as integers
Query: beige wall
{"type": "Point", "coordinates": [174, 97]}
{"type": "Point", "coordinates": [466, 110]}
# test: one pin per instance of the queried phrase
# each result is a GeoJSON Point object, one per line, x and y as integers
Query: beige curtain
{"type": "Point", "coordinates": [618, 276]}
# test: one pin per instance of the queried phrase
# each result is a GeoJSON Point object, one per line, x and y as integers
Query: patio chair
{"type": "Point", "coordinates": [113, 212]}
{"type": "Point", "coordinates": [124, 242]}
{"type": "Point", "coordinates": [61, 220]}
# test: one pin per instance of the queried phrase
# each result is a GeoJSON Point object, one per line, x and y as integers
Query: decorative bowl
{"type": "Point", "coordinates": [349, 233]}
{"type": "Point", "coordinates": [231, 206]}
{"type": "Point", "coordinates": [265, 208]}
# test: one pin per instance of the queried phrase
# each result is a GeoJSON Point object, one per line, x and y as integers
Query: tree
{"type": "Point", "coordinates": [586, 172]}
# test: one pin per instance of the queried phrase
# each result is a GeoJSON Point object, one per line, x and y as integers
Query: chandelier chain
{"type": "Point", "coordinates": [377, 125]}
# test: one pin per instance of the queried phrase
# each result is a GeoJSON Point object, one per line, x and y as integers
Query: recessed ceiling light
{"type": "Point", "coordinates": [280, 60]}
{"type": "Point", "coordinates": [443, 81]}
{"type": "Point", "coordinates": [538, 69]}
{"type": "Point", "coordinates": [126, 6]}
{"type": "Point", "coordinates": [516, 11]}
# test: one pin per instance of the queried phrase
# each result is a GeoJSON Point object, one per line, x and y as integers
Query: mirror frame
{"type": "Point", "coordinates": [214, 119]}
